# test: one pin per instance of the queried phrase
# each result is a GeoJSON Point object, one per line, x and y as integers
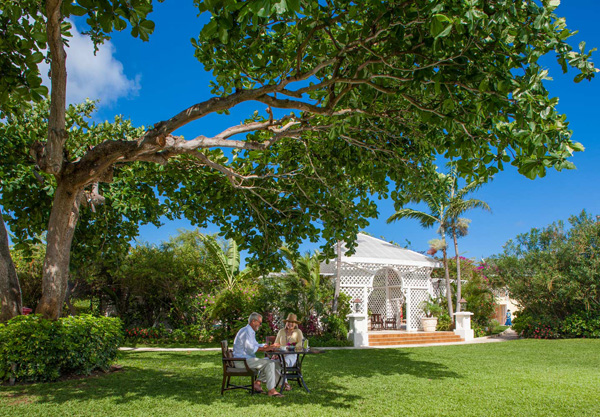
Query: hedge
{"type": "Point", "coordinates": [35, 349]}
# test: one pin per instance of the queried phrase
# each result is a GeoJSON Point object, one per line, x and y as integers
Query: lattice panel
{"type": "Point", "coordinates": [414, 307]}
{"type": "Point", "coordinates": [396, 303]}
{"type": "Point", "coordinates": [354, 293]}
{"type": "Point", "coordinates": [418, 278]}
{"type": "Point", "coordinates": [352, 275]}
{"type": "Point", "coordinates": [438, 288]}
{"type": "Point", "coordinates": [377, 302]}
{"type": "Point", "coordinates": [380, 279]}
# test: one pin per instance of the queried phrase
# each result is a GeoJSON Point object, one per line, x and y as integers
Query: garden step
{"type": "Point", "coordinates": [388, 339]}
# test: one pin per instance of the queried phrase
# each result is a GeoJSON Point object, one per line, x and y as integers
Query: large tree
{"type": "Point", "coordinates": [381, 87]}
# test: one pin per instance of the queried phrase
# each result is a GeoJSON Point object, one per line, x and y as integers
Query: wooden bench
{"type": "Point", "coordinates": [230, 370]}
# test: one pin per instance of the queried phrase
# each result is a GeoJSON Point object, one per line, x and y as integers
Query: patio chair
{"type": "Point", "coordinates": [376, 322]}
{"type": "Point", "coordinates": [390, 323]}
{"type": "Point", "coordinates": [230, 370]}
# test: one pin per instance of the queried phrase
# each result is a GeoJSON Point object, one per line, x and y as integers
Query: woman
{"type": "Point", "coordinates": [508, 319]}
{"type": "Point", "coordinates": [290, 335]}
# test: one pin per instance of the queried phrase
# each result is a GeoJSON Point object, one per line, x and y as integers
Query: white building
{"type": "Point", "coordinates": [387, 279]}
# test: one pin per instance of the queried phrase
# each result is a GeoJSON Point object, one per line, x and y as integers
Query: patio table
{"type": "Point", "coordinates": [293, 372]}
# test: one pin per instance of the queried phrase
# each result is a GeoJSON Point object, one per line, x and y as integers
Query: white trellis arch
{"type": "Point", "coordinates": [389, 280]}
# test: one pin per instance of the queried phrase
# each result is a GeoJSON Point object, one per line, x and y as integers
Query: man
{"type": "Point", "coordinates": [246, 346]}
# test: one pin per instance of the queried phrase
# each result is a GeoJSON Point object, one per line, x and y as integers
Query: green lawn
{"type": "Point", "coordinates": [518, 378]}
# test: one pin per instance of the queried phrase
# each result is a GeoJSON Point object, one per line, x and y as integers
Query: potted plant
{"type": "Point", "coordinates": [432, 310]}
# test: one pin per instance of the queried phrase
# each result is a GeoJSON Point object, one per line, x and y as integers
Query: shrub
{"type": "Point", "coordinates": [478, 330]}
{"type": "Point", "coordinates": [579, 325]}
{"type": "Point", "coordinates": [336, 327]}
{"type": "Point", "coordinates": [327, 341]}
{"type": "Point", "coordinates": [35, 349]}
{"type": "Point", "coordinates": [444, 323]}
{"type": "Point", "coordinates": [152, 334]}
{"type": "Point", "coordinates": [537, 327]}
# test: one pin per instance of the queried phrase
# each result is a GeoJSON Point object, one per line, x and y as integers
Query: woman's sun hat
{"type": "Point", "coordinates": [291, 318]}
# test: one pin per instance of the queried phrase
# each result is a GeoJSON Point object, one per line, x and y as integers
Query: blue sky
{"type": "Point", "coordinates": [150, 82]}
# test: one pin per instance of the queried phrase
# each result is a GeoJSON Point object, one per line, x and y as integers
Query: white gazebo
{"type": "Point", "coordinates": [388, 279]}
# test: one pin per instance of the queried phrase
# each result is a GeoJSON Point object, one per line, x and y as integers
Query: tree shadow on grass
{"type": "Point", "coordinates": [195, 378]}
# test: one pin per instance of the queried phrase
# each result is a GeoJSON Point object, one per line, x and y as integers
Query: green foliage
{"type": "Point", "coordinates": [300, 289]}
{"type": "Point", "coordinates": [552, 273]}
{"type": "Point", "coordinates": [23, 42]}
{"type": "Point", "coordinates": [329, 341]}
{"type": "Point", "coordinates": [536, 327]}
{"type": "Point", "coordinates": [431, 308]}
{"type": "Point", "coordinates": [462, 82]}
{"type": "Point", "coordinates": [445, 323]}
{"type": "Point", "coordinates": [579, 325]}
{"type": "Point", "coordinates": [231, 309]}
{"type": "Point", "coordinates": [27, 193]}
{"type": "Point", "coordinates": [35, 349]}
{"type": "Point", "coordinates": [375, 83]}
{"type": "Point", "coordinates": [28, 263]}
{"type": "Point", "coordinates": [336, 327]}
{"type": "Point", "coordinates": [480, 298]}
{"type": "Point", "coordinates": [477, 291]}
{"type": "Point", "coordinates": [479, 330]}
{"type": "Point", "coordinates": [163, 283]}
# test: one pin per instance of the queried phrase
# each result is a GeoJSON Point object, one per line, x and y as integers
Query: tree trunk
{"type": "Point", "coordinates": [447, 276]}
{"type": "Point", "coordinates": [70, 290]}
{"type": "Point", "coordinates": [336, 294]}
{"type": "Point", "coordinates": [458, 283]}
{"type": "Point", "coordinates": [55, 278]}
{"type": "Point", "coordinates": [10, 290]}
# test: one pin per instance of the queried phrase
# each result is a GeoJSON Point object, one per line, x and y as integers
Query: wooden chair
{"type": "Point", "coordinates": [230, 370]}
{"type": "Point", "coordinates": [390, 323]}
{"type": "Point", "coordinates": [376, 322]}
{"type": "Point", "coordinates": [271, 339]}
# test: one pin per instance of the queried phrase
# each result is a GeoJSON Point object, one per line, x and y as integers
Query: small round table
{"type": "Point", "coordinates": [293, 372]}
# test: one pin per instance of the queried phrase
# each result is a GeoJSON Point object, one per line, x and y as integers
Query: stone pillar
{"type": "Point", "coordinates": [358, 329]}
{"type": "Point", "coordinates": [463, 325]}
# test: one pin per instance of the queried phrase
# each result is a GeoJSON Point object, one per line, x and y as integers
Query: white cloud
{"type": "Point", "coordinates": [92, 76]}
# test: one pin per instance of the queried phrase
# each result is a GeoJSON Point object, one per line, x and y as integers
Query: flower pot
{"type": "Point", "coordinates": [429, 324]}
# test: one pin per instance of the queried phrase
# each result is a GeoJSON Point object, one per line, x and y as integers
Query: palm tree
{"type": "Point", "coordinates": [459, 228]}
{"type": "Point", "coordinates": [446, 203]}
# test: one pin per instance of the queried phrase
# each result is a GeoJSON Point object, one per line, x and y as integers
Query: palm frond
{"type": "Point", "coordinates": [224, 265]}
{"type": "Point", "coordinates": [426, 220]}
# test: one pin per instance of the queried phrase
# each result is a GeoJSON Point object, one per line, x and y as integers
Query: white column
{"type": "Point", "coordinates": [409, 326]}
{"type": "Point", "coordinates": [358, 329]}
{"type": "Point", "coordinates": [463, 325]}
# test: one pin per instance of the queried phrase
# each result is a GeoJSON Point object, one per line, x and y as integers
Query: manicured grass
{"type": "Point", "coordinates": [517, 378]}
{"type": "Point", "coordinates": [173, 345]}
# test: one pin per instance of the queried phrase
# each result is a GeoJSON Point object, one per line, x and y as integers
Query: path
{"type": "Point", "coordinates": [507, 335]}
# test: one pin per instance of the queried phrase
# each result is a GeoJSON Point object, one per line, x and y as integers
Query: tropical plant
{"type": "Point", "coordinates": [303, 282]}
{"type": "Point", "coordinates": [227, 257]}
{"type": "Point", "coordinates": [446, 203]}
{"type": "Point", "coordinates": [382, 88]}
{"type": "Point", "coordinates": [431, 308]}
